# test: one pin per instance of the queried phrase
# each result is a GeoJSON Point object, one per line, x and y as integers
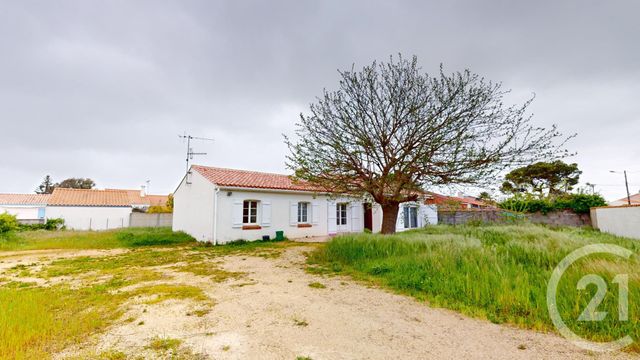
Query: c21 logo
{"type": "Point", "coordinates": [591, 313]}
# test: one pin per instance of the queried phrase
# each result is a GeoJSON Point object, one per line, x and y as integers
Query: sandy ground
{"type": "Point", "coordinates": [272, 313]}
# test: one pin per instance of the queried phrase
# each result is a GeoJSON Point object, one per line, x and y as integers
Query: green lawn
{"type": "Point", "coordinates": [68, 239]}
{"type": "Point", "coordinates": [495, 272]}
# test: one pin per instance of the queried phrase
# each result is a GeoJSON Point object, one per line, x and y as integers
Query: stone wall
{"type": "Point", "coordinates": [558, 218]}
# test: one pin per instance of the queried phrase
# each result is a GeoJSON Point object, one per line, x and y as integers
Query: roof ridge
{"type": "Point", "coordinates": [241, 170]}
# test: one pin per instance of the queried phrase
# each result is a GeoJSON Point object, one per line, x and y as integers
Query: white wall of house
{"type": "Point", "coordinates": [277, 211]}
{"type": "Point", "coordinates": [24, 212]}
{"type": "Point", "coordinates": [621, 221]}
{"type": "Point", "coordinates": [425, 215]}
{"type": "Point", "coordinates": [91, 217]}
{"type": "Point", "coordinates": [193, 204]}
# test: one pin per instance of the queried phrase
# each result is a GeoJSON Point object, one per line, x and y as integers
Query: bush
{"type": "Point", "coordinates": [50, 224]}
{"type": "Point", "coordinates": [578, 203]}
{"type": "Point", "coordinates": [8, 223]}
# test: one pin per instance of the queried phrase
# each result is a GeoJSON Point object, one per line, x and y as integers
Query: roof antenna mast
{"type": "Point", "coordinates": [190, 152]}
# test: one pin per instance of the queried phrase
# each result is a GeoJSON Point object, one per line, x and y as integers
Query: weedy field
{"type": "Point", "coordinates": [495, 272]}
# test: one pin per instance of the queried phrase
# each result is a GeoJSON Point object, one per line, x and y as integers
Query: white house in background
{"type": "Point", "coordinates": [84, 209]}
{"type": "Point", "coordinates": [223, 205]}
{"type": "Point", "coordinates": [26, 207]}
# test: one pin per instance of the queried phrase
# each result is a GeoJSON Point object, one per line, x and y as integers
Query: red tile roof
{"type": "Point", "coordinates": [85, 197]}
{"type": "Point", "coordinates": [635, 199]}
{"type": "Point", "coordinates": [252, 179]}
{"type": "Point", "coordinates": [439, 199]}
{"type": "Point", "coordinates": [24, 199]}
{"type": "Point", "coordinates": [151, 200]}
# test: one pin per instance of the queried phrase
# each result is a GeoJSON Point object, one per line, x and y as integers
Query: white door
{"type": "Point", "coordinates": [342, 217]}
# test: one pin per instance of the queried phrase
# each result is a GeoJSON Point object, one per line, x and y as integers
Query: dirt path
{"type": "Point", "coordinates": [273, 313]}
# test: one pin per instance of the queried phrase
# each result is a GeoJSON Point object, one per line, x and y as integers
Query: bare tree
{"type": "Point", "coordinates": [390, 130]}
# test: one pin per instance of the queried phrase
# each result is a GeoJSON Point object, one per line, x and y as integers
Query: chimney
{"type": "Point", "coordinates": [143, 191]}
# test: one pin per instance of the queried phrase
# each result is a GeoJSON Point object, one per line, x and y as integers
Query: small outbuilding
{"type": "Point", "coordinates": [28, 208]}
{"type": "Point", "coordinates": [89, 209]}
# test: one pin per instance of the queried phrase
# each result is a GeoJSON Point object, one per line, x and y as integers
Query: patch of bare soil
{"type": "Point", "coordinates": [273, 313]}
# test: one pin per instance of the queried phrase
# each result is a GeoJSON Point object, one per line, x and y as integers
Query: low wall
{"type": "Point", "coordinates": [618, 220]}
{"type": "Point", "coordinates": [30, 221]}
{"type": "Point", "coordinates": [137, 219]}
{"type": "Point", "coordinates": [557, 218]}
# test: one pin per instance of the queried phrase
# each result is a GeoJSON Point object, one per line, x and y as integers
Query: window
{"type": "Point", "coordinates": [410, 217]}
{"type": "Point", "coordinates": [250, 212]}
{"type": "Point", "coordinates": [341, 214]}
{"type": "Point", "coordinates": [303, 213]}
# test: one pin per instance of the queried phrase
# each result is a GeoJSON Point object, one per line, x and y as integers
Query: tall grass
{"type": "Point", "coordinates": [121, 238]}
{"type": "Point", "coordinates": [495, 272]}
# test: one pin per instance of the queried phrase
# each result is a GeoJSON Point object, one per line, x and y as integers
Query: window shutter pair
{"type": "Point", "coordinates": [264, 215]}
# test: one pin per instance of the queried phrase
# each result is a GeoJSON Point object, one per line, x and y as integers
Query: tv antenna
{"type": "Point", "coordinates": [190, 152]}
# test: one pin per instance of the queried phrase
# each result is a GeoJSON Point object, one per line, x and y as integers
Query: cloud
{"type": "Point", "coordinates": [102, 90]}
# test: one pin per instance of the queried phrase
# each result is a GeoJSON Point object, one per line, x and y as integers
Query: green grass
{"type": "Point", "coordinates": [495, 272]}
{"type": "Point", "coordinates": [121, 238]}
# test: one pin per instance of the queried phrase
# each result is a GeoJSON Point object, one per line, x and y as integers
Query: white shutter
{"type": "Point", "coordinates": [356, 219]}
{"type": "Point", "coordinates": [400, 219]}
{"type": "Point", "coordinates": [266, 213]}
{"type": "Point", "coordinates": [315, 213]}
{"type": "Point", "coordinates": [332, 227]}
{"type": "Point", "coordinates": [237, 213]}
{"type": "Point", "coordinates": [431, 214]}
{"type": "Point", "coordinates": [422, 214]}
{"type": "Point", "coordinates": [293, 213]}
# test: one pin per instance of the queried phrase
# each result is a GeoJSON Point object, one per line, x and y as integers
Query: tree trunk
{"type": "Point", "coordinates": [389, 218]}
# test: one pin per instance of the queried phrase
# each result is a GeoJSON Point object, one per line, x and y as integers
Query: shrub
{"type": "Point", "coordinates": [578, 203]}
{"type": "Point", "coordinates": [8, 223]}
{"type": "Point", "coordinates": [159, 210]}
{"type": "Point", "coordinates": [50, 224]}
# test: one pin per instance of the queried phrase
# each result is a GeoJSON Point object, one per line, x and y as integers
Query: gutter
{"type": "Point", "coordinates": [256, 189]}
{"type": "Point", "coordinates": [215, 215]}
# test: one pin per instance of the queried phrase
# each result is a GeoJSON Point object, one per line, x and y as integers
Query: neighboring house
{"type": "Point", "coordinates": [635, 200]}
{"type": "Point", "coordinates": [456, 202]}
{"type": "Point", "coordinates": [84, 209]}
{"type": "Point", "coordinates": [223, 205]}
{"type": "Point", "coordinates": [139, 199]}
{"type": "Point", "coordinates": [26, 207]}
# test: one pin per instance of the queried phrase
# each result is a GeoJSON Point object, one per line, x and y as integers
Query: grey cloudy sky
{"type": "Point", "coordinates": [102, 89]}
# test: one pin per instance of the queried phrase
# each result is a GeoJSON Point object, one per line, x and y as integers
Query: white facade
{"type": "Point", "coordinates": [422, 216]}
{"type": "Point", "coordinates": [224, 214]}
{"type": "Point", "coordinates": [620, 221]}
{"type": "Point", "coordinates": [91, 217]}
{"type": "Point", "coordinates": [24, 212]}
{"type": "Point", "coordinates": [196, 200]}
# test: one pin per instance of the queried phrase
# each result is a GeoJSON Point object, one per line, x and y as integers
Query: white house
{"type": "Point", "coordinates": [84, 209]}
{"type": "Point", "coordinates": [223, 205]}
{"type": "Point", "coordinates": [26, 207]}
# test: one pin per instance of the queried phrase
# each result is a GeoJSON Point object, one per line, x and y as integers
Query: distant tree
{"type": "Point", "coordinates": [46, 187]}
{"type": "Point", "coordinates": [169, 203]}
{"type": "Point", "coordinates": [390, 130]}
{"type": "Point", "coordinates": [76, 183]}
{"type": "Point", "coordinates": [542, 179]}
{"type": "Point", "coordinates": [486, 197]}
